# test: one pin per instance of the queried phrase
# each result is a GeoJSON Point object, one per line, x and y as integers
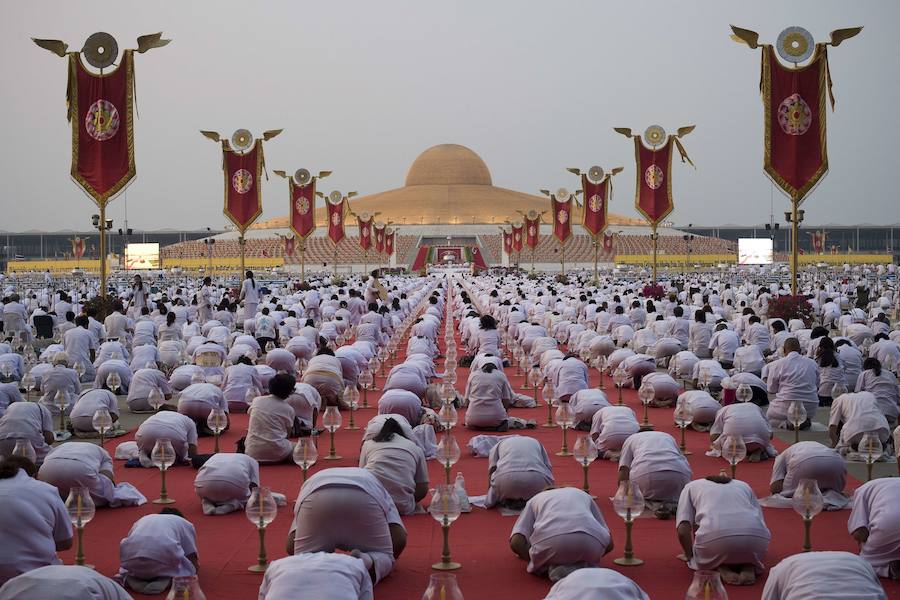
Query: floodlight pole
{"type": "Point", "coordinates": [655, 237]}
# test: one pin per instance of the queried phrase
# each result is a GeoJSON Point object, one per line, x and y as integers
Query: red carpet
{"type": "Point", "coordinates": [228, 544]}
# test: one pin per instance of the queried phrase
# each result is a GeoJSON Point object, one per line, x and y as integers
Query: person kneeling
{"type": "Point", "coordinates": [560, 530]}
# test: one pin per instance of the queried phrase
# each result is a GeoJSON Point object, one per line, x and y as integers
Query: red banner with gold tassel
{"type": "Point", "coordinates": [596, 204]}
{"type": "Point", "coordinates": [508, 241]}
{"type": "Point", "coordinates": [243, 197]}
{"type": "Point", "coordinates": [653, 198]}
{"type": "Point", "coordinates": [101, 112]}
{"type": "Point", "coordinates": [303, 208]}
{"type": "Point", "coordinates": [336, 214]}
{"type": "Point", "coordinates": [288, 245]}
{"type": "Point", "coordinates": [389, 239]}
{"type": "Point", "coordinates": [532, 232]}
{"type": "Point", "coordinates": [365, 232]}
{"type": "Point", "coordinates": [379, 238]}
{"type": "Point", "coordinates": [77, 247]}
{"type": "Point", "coordinates": [796, 156]}
{"type": "Point", "coordinates": [562, 217]}
{"type": "Point", "coordinates": [609, 243]}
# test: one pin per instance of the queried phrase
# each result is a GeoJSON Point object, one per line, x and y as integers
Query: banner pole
{"type": "Point", "coordinates": [241, 242]}
{"type": "Point", "coordinates": [795, 232]}
{"type": "Point", "coordinates": [655, 237]}
{"type": "Point", "coordinates": [365, 261]}
{"type": "Point", "coordinates": [596, 252]}
{"type": "Point", "coordinates": [102, 249]}
{"type": "Point", "coordinates": [303, 261]}
{"type": "Point", "coordinates": [334, 262]}
{"type": "Point", "coordinates": [563, 258]}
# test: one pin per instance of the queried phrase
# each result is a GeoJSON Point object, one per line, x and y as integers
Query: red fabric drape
{"type": "Point", "coordinates": [336, 214]}
{"type": "Point", "coordinates": [100, 110]}
{"type": "Point", "coordinates": [532, 232]}
{"type": "Point", "coordinates": [795, 154]}
{"type": "Point", "coordinates": [508, 241]}
{"type": "Point", "coordinates": [379, 239]}
{"type": "Point", "coordinates": [243, 198]}
{"type": "Point", "coordinates": [303, 208]}
{"type": "Point", "coordinates": [653, 196]}
{"type": "Point", "coordinates": [562, 218]}
{"type": "Point", "coordinates": [596, 198]}
{"type": "Point", "coordinates": [389, 239]}
{"type": "Point", "coordinates": [365, 233]}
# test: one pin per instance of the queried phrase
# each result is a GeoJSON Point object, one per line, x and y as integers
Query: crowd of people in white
{"type": "Point", "coordinates": [294, 357]}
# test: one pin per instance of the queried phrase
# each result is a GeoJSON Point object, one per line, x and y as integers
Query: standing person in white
{"type": "Point", "coordinates": [249, 296]}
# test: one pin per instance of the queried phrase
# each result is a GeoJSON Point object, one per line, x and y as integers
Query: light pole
{"type": "Point", "coordinates": [794, 217]}
{"type": "Point", "coordinates": [210, 242]}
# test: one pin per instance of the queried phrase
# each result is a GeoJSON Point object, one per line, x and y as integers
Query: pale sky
{"type": "Point", "coordinates": [362, 87]}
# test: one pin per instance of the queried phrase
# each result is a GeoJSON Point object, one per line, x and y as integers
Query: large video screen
{"type": "Point", "coordinates": [142, 256]}
{"type": "Point", "coordinates": [755, 251]}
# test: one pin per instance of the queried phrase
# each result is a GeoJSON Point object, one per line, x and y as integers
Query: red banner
{"type": "Point", "coordinates": [653, 197]}
{"type": "Point", "coordinates": [379, 239]}
{"type": "Point", "coordinates": [100, 110]}
{"type": "Point", "coordinates": [289, 244]}
{"type": "Point", "coordinates": [365, 233]}
{"type": "Point", "coordinates": [518, 234]}
{"type": "Point", "coordinates": [77, 247]}
{"type": "Point", "coordinates": [389, 239]}
{"type": "Point", "coordinates": [336, 213]}
{"type": "Point", "coordinates": [532, 232]}
{"type": "Point", "coordinates": [243, 198]}
{"type": "Point", "coordinates": [303, 208]}
{"type": "Point", "coordinates": [508, 240]}
{"type": "Point", "coordinates": [818, 241]}
{"type": "Point", "coordinates": [609, 242]}
{"type": "Point", "coordinates": [562, 218]}
{"type": "Point", "coordinates": [596, 203]}
{"type": "Point", "coordinates": [796, 156]}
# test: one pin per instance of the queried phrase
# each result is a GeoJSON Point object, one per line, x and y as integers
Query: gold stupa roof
{"type": "Point", "coordinates": [449, 184]}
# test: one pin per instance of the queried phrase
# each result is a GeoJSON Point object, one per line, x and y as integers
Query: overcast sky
{"type": "Point", "coordinates": [363, 87]}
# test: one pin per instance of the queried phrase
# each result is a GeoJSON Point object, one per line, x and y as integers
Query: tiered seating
{"type": "Point", "coordinates": [580, 248]}
{"type": "Point", "coordinates": [318, 249]}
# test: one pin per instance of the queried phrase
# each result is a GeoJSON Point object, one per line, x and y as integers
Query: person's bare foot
{"type": "Point", "coordinates": [755, 456]}
{"type": "Point", "coordinates": [730, 577]}
{"type": "Point", "coordinates": [747, 575]}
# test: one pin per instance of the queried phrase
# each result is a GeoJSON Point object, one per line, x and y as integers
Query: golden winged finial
{"type": "Point", "coordinates": [839, 35]}
{"type": "Point", "coordinates": [617, 170]}
{"type": "Point", "coordinates": [745, 36]}
{"type": "Point", "coordinates": [57, 47]}
{"type": "Point", "coordinates": [150, 41]}
{"type": "Point", "coordinates": [351, 194]}
{"type": "Point", "coordinates": [683, 131]}
{"type": "Point", "coordinates": [281, 174]}
{"type": "Point", "coordinates": [211, 135]}
{"type": "Point", "coordinates": [626, 131]}
{"type": "Point", "coordinates": [545, 192]}
{"type": "Point", "coordinates": [268, 135]}
{"type": "Point", "coordinates": [574, 171]}
{"type": "Point", "coordinates": [323, 174]}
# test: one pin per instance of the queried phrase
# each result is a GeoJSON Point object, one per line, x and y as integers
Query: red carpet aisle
{"type": "Point", "coordinates": [228, 544]}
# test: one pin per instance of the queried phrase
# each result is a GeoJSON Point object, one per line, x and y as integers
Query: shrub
{"type": "Point", "coordinates": [654, 291]}
{"type": "Point", "coordinates": [791, 307]}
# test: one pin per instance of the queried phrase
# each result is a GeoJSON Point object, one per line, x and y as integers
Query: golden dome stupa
{"type": "Point", "coordinates": [449, 184]}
